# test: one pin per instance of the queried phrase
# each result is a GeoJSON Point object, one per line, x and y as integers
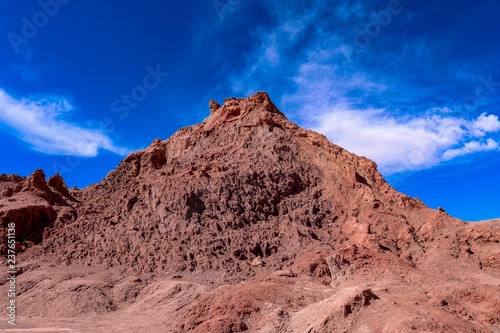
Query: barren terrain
{"type": "Point", "coordinates": [244, 223]}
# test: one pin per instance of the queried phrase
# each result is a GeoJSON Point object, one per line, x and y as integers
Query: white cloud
{"type": "Point", "coordinates": [471, 147]}
{"type": "Point", "coordinates": [409, 143]}
{"type": "Point", "coordinates": [38, 123]}
{"type": "Point", "coordinates": [395, 143]}
{"type": "Point", "coordinates": [485, 123]}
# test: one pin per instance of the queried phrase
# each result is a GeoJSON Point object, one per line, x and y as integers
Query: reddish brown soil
{"type": "Point", "coordinates": [245, 222]}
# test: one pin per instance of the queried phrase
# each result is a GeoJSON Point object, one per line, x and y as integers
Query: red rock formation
{"type": "Point", "coordinates": [267, 227]}
{"type": "Point", "coordinates": [33, 206]}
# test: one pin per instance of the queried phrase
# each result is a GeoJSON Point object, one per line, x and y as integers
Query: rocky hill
{"type": "Point", "coordinates": [246, 222]}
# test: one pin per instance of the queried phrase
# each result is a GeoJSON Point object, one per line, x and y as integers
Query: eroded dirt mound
{"type": "Point", "coordinates": [246, 222]}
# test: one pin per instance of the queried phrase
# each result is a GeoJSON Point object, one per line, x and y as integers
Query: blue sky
{"type": "Point", "coordinates": [414, 85]}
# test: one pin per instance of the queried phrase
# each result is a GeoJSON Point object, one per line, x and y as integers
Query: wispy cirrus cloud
{"type": "Point", "coordinates": [40, 123]}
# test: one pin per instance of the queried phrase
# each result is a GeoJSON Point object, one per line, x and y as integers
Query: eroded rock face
{"type": "Point", "coordinates": [244, 184]}
{"type": "Point", "coordinates": [277, 229]}
{"type": "Point", "coordinates": [33, 205]}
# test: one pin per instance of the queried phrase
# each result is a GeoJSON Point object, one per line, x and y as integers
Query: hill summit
{"type": "Point", "coordinates": [247, 222]}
